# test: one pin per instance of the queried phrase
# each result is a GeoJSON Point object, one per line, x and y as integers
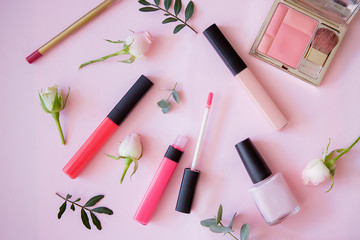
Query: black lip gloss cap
{"type": "Point", "coordinates": [130, 99]}
{"type": "Point", "coordinates": [255, 165]}
{"type": "Point", "coordinates": [224, 49]}
{"type": "Point", "coordinates": [187, 190]}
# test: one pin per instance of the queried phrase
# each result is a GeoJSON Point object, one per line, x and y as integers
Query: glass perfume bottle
{"type": "Point", "coordinates": [270, 192]}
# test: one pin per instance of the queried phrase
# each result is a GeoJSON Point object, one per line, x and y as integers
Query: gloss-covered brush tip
{"type": "Point", "coordinates": [209, 100]}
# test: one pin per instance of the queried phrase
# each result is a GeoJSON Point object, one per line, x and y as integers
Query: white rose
{"type": "Point", "coordinates": [131, 147]}
{"type": "Point", "coordinates": [316, 172]}
{"type": "Point", "coordinates": [140, 43]}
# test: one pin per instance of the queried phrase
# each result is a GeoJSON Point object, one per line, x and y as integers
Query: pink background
{"type": "Point", "coordinates": [32, 156]}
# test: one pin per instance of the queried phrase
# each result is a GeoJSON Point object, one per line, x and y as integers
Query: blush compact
{"type": "Point", "coordinates": [301, 37]}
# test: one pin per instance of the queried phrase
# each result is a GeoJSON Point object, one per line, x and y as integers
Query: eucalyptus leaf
{"type": "Point", "coordinates": [220, 229]}
{"type": "Point", "coordinates": [244, 232]}
{"type": "Point", "coordinates": [62, 210]}
{"type": "Point", "coordinates": [157, 2]}
{"type": "Point", "coordinates": [208, 222]}
{"type": "Point", "coordinates": [143, 2]}
{"type": "Point", "coordinates": [167, 4]}
{"type": "Point", "coordinates": [165, 109]}
{"type": "Point", "coordinates": [72, 207]}
{"type": "Point", "coordinates": [169, 19]}
{"type": "Point", "coordinates": [232, 220]}
{"type": "Point", "coordinates": [189, 10]}
{"type": "Point", "coordinates": [175, 95]}
{"type": "Point", "coordinates": [177, 7]}
{"type": "Point", "coordinates": [94, 200]}
{"type": "Point", "coordinates": [219, 214]}
{"type": "Point", "coordinates": [178, 28]}
{"type": "Point", "coordinates": [85, 219]}
{"type": "Point", "coordinates": [163, 104]}
{"type": "Point", "coordinates": [95, 221]}
{"type": "Point", "coordinates": [103, 210]}
{"type": "Point", "coordinates": [68, 196]}
{"type": "Point", "coordinates": [148, 9]}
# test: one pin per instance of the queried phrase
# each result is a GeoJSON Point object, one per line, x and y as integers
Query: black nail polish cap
{"type": "Point", "coordinates": [255, 165]}
{"type": "Point", "coordinates": [187, 190]}
{"type": "Point", "coordinates": [224, 49]}
{"type": "Point", "coordinates": [130, 99]}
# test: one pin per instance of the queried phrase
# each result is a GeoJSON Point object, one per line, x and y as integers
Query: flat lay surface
{"type": "Point", "coordinates": [32, 156]}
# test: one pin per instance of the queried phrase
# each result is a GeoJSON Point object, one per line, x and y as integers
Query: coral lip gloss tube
{"type": "Point", "coordinates": [107, 127]}
{"type": "Point", "coordinates": [245, 77]}
{"type": "Point", "coordinates": [159, 182]}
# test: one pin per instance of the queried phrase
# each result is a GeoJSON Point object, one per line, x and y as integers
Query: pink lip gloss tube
{"type": "Point", "coordinates": [237, 66]}
{"type": "Point", "coordinates": [159, 182]}
{"type": "Point", "coordinates": [107, 127]}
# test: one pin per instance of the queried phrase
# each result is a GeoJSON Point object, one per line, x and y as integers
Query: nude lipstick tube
{"type": "Point", "coordinates": [107, 127]}
{"type": "Point", "coordinates": [239, 69]}
{"type": "Point", "coordinates": [159, 182]}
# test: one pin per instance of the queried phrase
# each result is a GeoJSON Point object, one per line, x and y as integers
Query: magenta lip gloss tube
{"type": "Point", "coordinates": [159, 182]}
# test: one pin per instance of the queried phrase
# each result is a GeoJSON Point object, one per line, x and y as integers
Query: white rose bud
{"type": "Point", "coordinates": [52, 102]}
{"type": "Point", "coordinates": [315, 172]}
{"type": "Point", "coordinates": [139, 43]}
{"type": "Point", "coordinates": [131, 151]}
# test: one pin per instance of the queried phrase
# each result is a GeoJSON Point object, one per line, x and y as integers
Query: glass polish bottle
{"type": "Point", "coordinates": [270, 192]}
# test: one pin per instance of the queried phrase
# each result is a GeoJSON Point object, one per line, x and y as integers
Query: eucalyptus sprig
{"type": "Point", "coordinates": [215, 225]}
{"type": "Point", "coordinates": [165, 104]}
{"type": "Point", "coordinates": [171, 17]}
{"type": "Point", "coordinates": [84, 217]}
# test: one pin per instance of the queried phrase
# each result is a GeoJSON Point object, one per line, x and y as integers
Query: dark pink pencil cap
{"type": "Point", "coordinates": [32, 57]}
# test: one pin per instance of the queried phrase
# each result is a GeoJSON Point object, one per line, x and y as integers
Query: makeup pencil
{"type": "Point", "coordinates": [58, 38]}
{"type": "Point", "coordinates": [191, 175]}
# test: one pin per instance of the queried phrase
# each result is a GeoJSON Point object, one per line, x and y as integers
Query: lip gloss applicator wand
{"type": "Point", "coordinates": [191, 175]}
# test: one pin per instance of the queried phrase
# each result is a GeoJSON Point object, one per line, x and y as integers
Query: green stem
{"type": "Point", "coordinates": [229, 232]}
{"type": "Point", "coordinates": [174, 16]}
{"type": "Point", "coordinates": [332, 161]}
{"type": "Point", "coordinates": [128, 161]}
{"type": "Point", "coordinates": [56, 117]}
{"type": "Point", "coordinates": [73, 202]}
{"type": "Point", "coordinates": [122, 52]}
{"type": "Point", "coordinates": [171, 92]}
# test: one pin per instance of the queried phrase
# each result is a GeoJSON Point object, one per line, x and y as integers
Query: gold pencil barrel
{"type": "Point", "coordinates": [83, 20]}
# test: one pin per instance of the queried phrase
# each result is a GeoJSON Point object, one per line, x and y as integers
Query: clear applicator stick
{"type": "Point", "coordinates": [190, 177]}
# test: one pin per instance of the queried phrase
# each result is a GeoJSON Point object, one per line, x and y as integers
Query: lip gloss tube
{"type": "Point", "coordinates": [239, 69]}
{"type": "Point", "coordinates": [107, 127]}
{"type": "Point", "coordinates": [159, 182]}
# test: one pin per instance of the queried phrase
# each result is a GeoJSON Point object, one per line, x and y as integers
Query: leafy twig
{"type": "Point", "coordinates": [84, 217]}
{"type": "Point", "coordinates": [165, 104]}
{"type": "Point", "coordinates": [215, 225]}
{"type": "Point", "coordinates": [189, 10]}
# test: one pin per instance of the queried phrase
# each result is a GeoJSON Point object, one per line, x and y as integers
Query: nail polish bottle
{"type": "Point", "coordinates": [270, 192]}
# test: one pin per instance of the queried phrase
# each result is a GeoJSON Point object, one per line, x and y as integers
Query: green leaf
{"type": "Point", "coordinates": [178, 28]}
{"type": "Point", "coordinates": [219, 214]}
{"type": "Point", "coordinates": [177, 7]}
{"type": "Point", "coordinates": [94, 200]}
{"type": "Point", "coordinates": [77, 200]}
{"type": "Point", "coordinates": [167, 4]}
{"type": "Point", "coordinates": [95, 221]}
{"type": "Point", "coordinates": [208, 222]}
{"type": "Point", "coordinates": [148, 9]}
{"type": "Point", "coordinates": [232, 220]}
{"type": "Point", "coordinates": [244, 232]}
{"type": "Point", "coordinates": [72, 207]}
{"type": "Point", "coordinates": [118, 41]}
{"type": "Point", "coordinates": [143, 2]}
{"type": "Point", "coordinates": [113, 157]}
{"type": "Point", "coordinates": [157, 2]}
{"type": "Point", "coordinates": [104, 210]}
{"type": "Point", "coordinates": [220, 229]}
{"type": "Point", "coordinates": [175, 95]}
{"type": "Point", "coordinates": [167, 14]}
{"type": "Point", "coordinates": [189, 10]}
{"type": "Point", "coordinates": [68, 196]}
{"type": "Point", "coordinates": [169, 19]}
{"type": "Point", "coordinates": [62, 210]}
{"type": "Point", "coordinates": [85, 219]}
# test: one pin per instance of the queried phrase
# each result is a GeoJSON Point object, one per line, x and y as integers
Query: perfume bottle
{"type": "Point", "coordinates": [270, 192]}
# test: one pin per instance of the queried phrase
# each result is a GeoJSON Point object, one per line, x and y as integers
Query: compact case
{"type": "Point", "coordinates": [301, 37]}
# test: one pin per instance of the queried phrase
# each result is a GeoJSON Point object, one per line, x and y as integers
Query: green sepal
{"type": "Point", "coordinates": [136, 165]}
{"type": "Point", "coordinates": [66, 98]}
{"type": "Point", "coordinates": [113, 157]}
{"type": "Point", "coordinates": [56, 104]}
{"type": "Point", "coordinates": [43, 105]}
{"type": "Point", "coordinates": [130, 60]}
{"type": "Point", "coordinates": [127, 161]}
{"type": "Point", "coordinates": [118, 41]}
